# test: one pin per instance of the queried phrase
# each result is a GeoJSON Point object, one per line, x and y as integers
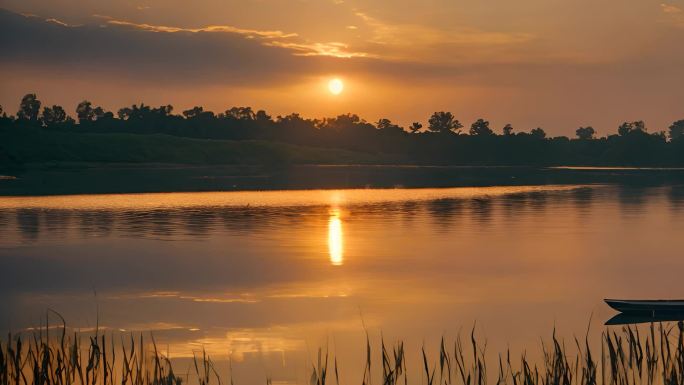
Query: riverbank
{"type": "Point", "coordinates": [96, 178]}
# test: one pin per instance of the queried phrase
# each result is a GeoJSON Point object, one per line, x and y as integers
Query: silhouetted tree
{"type": "Point", "coordinates": [628, 127]}
{"type": "Point", "coordinates": [241, 113]}
{"type": "Point", "coordinates": [481, 128]}
{"type": "Point", "coordinates": [262, 116]}
{"type": "Point", "coordinates": [297, 129]}
{"type": "Point", "coordinates": [85, 112]}
{"type": "Point", "coordinates": [100, 113]}
{"type": "Point", "coordinates": [415, 127]}
{"type": "Point", "coordinates": [125, 113]}
{"type": "Point", "coordinates": [676, 130]}
{"type": "Point", "coordinates": [634, 146]}
{"type": "Point", "coordinates": [141, 112]}
{"type": "Point", "coordinates": [585, 133]}
{"type": "Point", "coordinates": [163, 110]}
{"type": "Point", "coordinates": [639, 126]}
{"type": "Point", "coordinates": [538, 133]}
{"type": "Point", "coordinates": [193, 112]}
{"type": "Point", "coordinates": [444, 122]}
{"type": "Point", "coordinates": [198, 113]}
{"type": "Point", "coordinates": [341, 121]}
{"type": "Point", "coordinates": [624, 129]}
{"type": "Point", "coordinates": [55, 115]}
{"type": "Point", "coordinates": [386, 125]}
{"type": "Point", "coordinates": [293, 117]}
{"type": "Point", "coordinates": [383, 124]}
{"type": "Point", "coordinates": [29, 108]}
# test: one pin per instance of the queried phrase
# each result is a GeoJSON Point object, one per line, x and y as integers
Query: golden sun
{"type": "Point", "coordinates": [335, 86]}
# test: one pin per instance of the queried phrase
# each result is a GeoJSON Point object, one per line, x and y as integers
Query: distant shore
{"type": "Point", "coordinates": [100, 178]}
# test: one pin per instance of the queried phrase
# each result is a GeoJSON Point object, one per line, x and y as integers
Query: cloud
{"type": "Point", "coordinates": [250, 33]}
{"type": "Point", "coordinates": [53, 20]}
{"type": "Point", "coordinates": [674, 14]}
{"type": "Point", "coordinates": [154, 53]}
{"type": "Point", "coordinates": [411, 40]}
{"type": "Point", "coordinates": [212, 55]}
{"type": "Point", "coordinates": [334, 49]}
{"type": "Point", "coordinates": [671, 9]}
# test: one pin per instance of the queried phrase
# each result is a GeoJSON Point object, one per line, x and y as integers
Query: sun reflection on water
{"type": "Point", "coordinates": [335, 245]}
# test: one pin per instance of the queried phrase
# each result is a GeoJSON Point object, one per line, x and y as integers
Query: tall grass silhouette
{"type": "Point", "coordinates": [628, 356]}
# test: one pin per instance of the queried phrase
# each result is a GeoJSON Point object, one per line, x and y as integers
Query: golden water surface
{"type": "Point", "coordinates": [265, 278]}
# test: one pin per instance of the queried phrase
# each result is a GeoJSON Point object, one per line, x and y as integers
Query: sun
{"type": "Point", "coordinates": [335, 86]}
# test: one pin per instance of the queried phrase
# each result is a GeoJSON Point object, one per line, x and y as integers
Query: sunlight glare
{"type": "Point", "coordinates": [335, 246]}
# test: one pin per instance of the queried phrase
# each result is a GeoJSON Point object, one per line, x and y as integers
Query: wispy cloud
{"type": "Point", "coordinates": [226, 298]}
{"type": "Point", "coordinates": [406, 34]}
{"type": "Point", "coordinates": [670, 9]}
{"type": "Point", "coordinates": [334, 49]}
{"type": "Point", "coordinates": [250, 33]}
{"type": "Point", "coordinates": [275, 38]}
{"type": "Point", "coordinates": [674, 14]}
{"type": "Point", "coordinates": [53, 20]}
{"type": "Point", "coordinates": [409, 41]}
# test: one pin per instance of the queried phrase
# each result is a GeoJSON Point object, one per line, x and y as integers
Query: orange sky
{"type": "Point", "coordinates": [549, 63]}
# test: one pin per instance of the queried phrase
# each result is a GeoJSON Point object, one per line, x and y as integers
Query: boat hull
{"type": "Point", "coordinates": [647, 307]}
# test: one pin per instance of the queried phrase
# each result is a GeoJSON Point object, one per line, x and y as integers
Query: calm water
{"type": "Point", "coordinates": [268, 277]}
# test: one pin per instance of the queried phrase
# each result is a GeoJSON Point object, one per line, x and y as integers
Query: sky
{"type": "Point", "coordinates": [555, 64]}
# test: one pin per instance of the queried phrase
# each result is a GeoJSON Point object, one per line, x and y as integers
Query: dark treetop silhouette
{"type": "Point", "coordinates": [241, 135]}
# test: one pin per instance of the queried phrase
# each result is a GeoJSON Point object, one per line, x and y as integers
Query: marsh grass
{"type": "Point", "coordinates": [629, 356]}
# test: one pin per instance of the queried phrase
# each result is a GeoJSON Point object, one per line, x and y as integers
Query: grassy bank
{"type": "Point", "coordinates": [38, 145]}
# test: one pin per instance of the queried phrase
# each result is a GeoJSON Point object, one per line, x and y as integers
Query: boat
{"type": "Point", "coordinates": [652, 307]}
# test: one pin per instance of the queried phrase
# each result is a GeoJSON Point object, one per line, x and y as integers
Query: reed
{"type": "Point", "coordinates": [628, 357]}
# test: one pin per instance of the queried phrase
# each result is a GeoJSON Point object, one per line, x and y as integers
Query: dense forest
{"type": "Point", "coordinates": [47, 133]}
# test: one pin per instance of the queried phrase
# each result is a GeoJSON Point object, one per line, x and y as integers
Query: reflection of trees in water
{"type": "Point", "coordinates": [28, 223]}
{"type": "Point", "coordinates": [632, 198]}
{"type": "Point", "coordinates": [481, 209]}
{"type": "Point", "coordinates": [241, 219]}
{"type": "Point", "coordinates": [444, 211]}
{"type": "Point", "coordinates": [199, 221]}
{"type": "Point", "coordinates": [203, 221]}
{"type": "Point", "coordinates": [376, 212]}
{"type": "Point", "coordinates": [408, 211]}
{"type": "Point", "coordinates": [161, 223]}
{"type": "Point", "coordinates": [97, 223]}
{"type": "Point", "coordinates": [157, 223]}
{"type": "Point", "coordinates": [247, 220]}
{"type": "Point", "coordinates": [533, 202]}
{"type": "Point", "coordinates": [582, 199]}
{"type": "Point", "coordinates": [538, 201]}
{"type": "Point", "coordinates": [4, 219]}
{"type": "Point", "coordinates": [57, 221]}
{"type": "Point", "coordinates": [675, 196]}
{"type": "Point", "coordinates": [513, 204]}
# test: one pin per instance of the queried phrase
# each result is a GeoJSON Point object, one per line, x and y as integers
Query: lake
{"type": "Point", "coordinates": [268, 277]}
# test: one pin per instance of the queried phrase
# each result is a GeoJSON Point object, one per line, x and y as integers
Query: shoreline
{"type": "Point", "coordinates": [108, 178]}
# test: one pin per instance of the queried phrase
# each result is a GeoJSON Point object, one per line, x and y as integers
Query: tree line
{"type": "Point", "coordinates": [444, 139]}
